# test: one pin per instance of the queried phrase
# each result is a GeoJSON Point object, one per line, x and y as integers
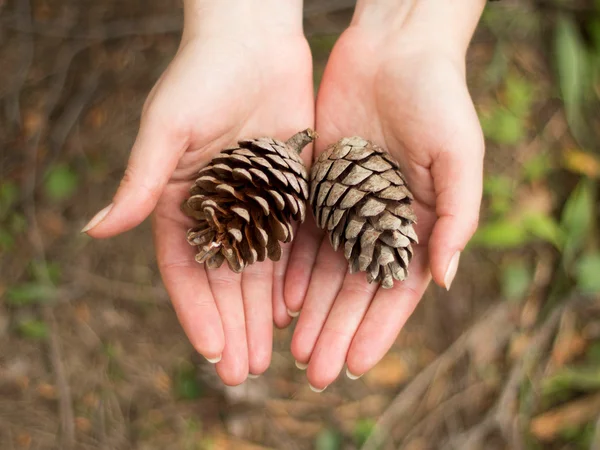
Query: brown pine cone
{"type": "Point", "coordinates": [359, 195]}
{"type": "Point", "coordinates": [246, 199]}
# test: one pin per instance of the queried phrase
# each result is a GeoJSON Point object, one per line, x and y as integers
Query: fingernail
{"type": "Point", "coordinates": [451, 271]}
{"type": "Point", "coordinates": [214, 360]}
{"type": "Point", "coordinates": [314, 389]}
{"type": "Point", "coordinates": [97, 218]}
{"type": "Point", "coordinates": [352, 376]}
{"type": "Point", "coordinates": [301, 366]}
{"type": "Point", "coordinates": [252, 376]}
{"type": "Point", "coordinates": [293, 313]}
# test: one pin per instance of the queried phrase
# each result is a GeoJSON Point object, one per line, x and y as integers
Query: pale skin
{"type": "Point", "coordinates": [396, 77]}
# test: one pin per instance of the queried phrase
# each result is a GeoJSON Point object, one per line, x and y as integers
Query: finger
{"type": "Point", "coordinates": [154, 156]}
{"type": "Point", "coordinates": [326, 282]}
{"type": "Point", "coordinates": [257, 284]}
{"type": "Point", "coordinates": [187, 285]}
{"type": "Point", "coordinates": [281, 318]}
{"type": "Point", "coordinates": [329, 355]}
{"type": "Point", "coordinates": [226, 288]}
{"type": "Point", "coordinates": [386, 316]}
{"type": "Point", "coordinates": [458, 179]}
{"type": "Point", "coordinates": [302, 260]}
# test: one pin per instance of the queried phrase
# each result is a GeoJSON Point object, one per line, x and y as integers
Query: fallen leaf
{"type": "Point", "coordinates": [568, 343]}
{"type": "Point", "coordinates": [581, 162]}
{"type": "Point", "coordinates": [47, 391]}
{"type": "Point", "coordinates": [518, 344]}
{"type": "Point", "coordinates": [24, 440]}
{"type": "Point", "coordinates": [391, 371]}
{"type": "Point", "coordinates": [162, 382]}
{"type": "Point", "coordinates": [548, 425]}
{"type": "Point", "coordinates": [83, 424]}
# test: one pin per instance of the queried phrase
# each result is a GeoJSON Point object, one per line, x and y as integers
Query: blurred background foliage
{"type": "Point", "coordinates": [91, 355]}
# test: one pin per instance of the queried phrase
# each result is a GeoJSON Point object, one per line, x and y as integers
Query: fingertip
{"type": "Point", "coordinates": [96, 220]}
{"type": "Point", "coordinates": [259, 361]}
{"type": "Point", "coordinates": [281, 319]}
{"type": "Point", "coordinates": [232, 375]}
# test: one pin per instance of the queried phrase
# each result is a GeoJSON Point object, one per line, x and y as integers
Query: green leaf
{"type": "Point", "coordinates": [588, 273]}
{"type": "Point", "coordinates": [8, 197]}
{"type": "Point", "coordinates": [544, 227]}
{"type": "Point", "coordinates": [519, 95]}
{"type": "Point", "coordinates": [571, 62]}
{"type": "Point", "coordinates": [578, 218]}
{"type": "Point", "coordinates": [537, 167]}
{"type": "Point", "coordinates": [516, 279]}
{"type": "Point", "coordinates": [502, 234]}
{"type": "Point", "coordinates": [17, 223]}
{"type": "Point", "coordinates": [33, 329]}
{"type": "Point", "coordinates": [362, 431]}
{"type": "Point", "coordinates": [499, 190]}
{"type": "Point", "coordinates": [30, 294]}
{"type": "Point", "coordinates": [186, 383]}
{"type": "Point", "coordinates": [570, 379]}
{"type": "Point", "coordinates": [7, 241]}
{"type": "Point", "coordinates": [61, 183]}
{"type": "Point", "coordinates": [503, 127]}
{"type": "Point", "coordinates": [43, 271]}
{"type": "Point", "coordinates": [328, 439]}
{"type": "Point", "coordinates": [592, 354]}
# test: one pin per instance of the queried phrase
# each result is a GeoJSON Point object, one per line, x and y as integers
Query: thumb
{"type": "Point", "coordinates": [154, 157]}
{"type": "Point", "coordinates": [458, 180]}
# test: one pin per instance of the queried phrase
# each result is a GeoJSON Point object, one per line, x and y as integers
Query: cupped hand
{"type": "Point", "coordinates": [414, 102]}
{"type": "Point", "coordinates": [243, 82]}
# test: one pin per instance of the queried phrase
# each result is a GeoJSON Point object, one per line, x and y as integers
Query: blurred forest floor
{"type": "Point", "coordinates": [92, 356]}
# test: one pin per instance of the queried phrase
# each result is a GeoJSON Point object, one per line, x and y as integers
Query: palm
{"type": "Point", "coordinates": [216, 99]}
{"type": "Point", "coordinates": [413, 109]}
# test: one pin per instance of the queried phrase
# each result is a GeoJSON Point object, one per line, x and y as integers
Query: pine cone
{"type": "Point", "coordinates": [246, 199]}
{"type": "Point", "coordinates": [359, 195]}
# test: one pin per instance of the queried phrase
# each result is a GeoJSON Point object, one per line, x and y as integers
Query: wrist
{"type": "Point", "coordinates": [422, 25]}
{"type": "Point", "coordinates": [209, 17]}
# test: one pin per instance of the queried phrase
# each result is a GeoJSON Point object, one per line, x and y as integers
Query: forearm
{"type": "Point", "coordinates": [445, 24]}
{"type": "Point", "coordinates": [223, 16]}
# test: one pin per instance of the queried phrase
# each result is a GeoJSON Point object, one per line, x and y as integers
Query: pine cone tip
{"type": "Point", "coordinates": [302, 139]}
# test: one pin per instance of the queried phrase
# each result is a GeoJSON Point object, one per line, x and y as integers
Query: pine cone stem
{"type": "Point", "coordinates": [301, 139]}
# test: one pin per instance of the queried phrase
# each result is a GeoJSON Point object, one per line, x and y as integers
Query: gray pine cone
{"type": "Point", "coordinates": [359, 196]}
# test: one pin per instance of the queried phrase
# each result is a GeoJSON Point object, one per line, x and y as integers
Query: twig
{"type": "Point", "coordinates": [595, 445]}
{"type": "Point", "coordinates": [12, 106]}
{"type": "Point", "coordinates": [64, 124]}
{"type": "Point", "coordinates": [414, 392]}
{"type": "Point", "coordinates": [169, 23]}
{"type": "Point", "coordinates": [454, 403]}
{"type": "Point", "coordinates": [122, 289]}
{"type": "Point", "coordinates": [64, 391]}
{"type": "Point", "coordinates": [505, 416]}
{"type": "Point", "coordinates": [502, 415]}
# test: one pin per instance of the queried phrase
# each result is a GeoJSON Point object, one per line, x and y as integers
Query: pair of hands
{"type": "Point", "coordinates": [251, 81]}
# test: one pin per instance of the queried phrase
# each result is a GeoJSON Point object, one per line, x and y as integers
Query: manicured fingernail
{"type": "Point", "coordinates": [451, 271]}
{"type": "Point", "coordinates": [252, 376]}
{"type": "Point", "coordinates": [214, 360]}
{"type": "Point", "coordinates": [97, 219]}
{"type": "Point", "coordinates": [352, 376]}
{"type": "Point", "coordinates": [314, 389]}
{"type": "Point", "coordinates": [293, 313]}
{"type": "Point", "coordinates": [301, 366]}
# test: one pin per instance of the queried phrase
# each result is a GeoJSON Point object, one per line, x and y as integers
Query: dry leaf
{"type": "Point", "coordinates": [47, 391]}
{"type": "Point", "coordinates": [391, 371]}
{"type": "Point", "coordinates": [548, 425]}
{"type": "Point", "coordinates": [582, 162]}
